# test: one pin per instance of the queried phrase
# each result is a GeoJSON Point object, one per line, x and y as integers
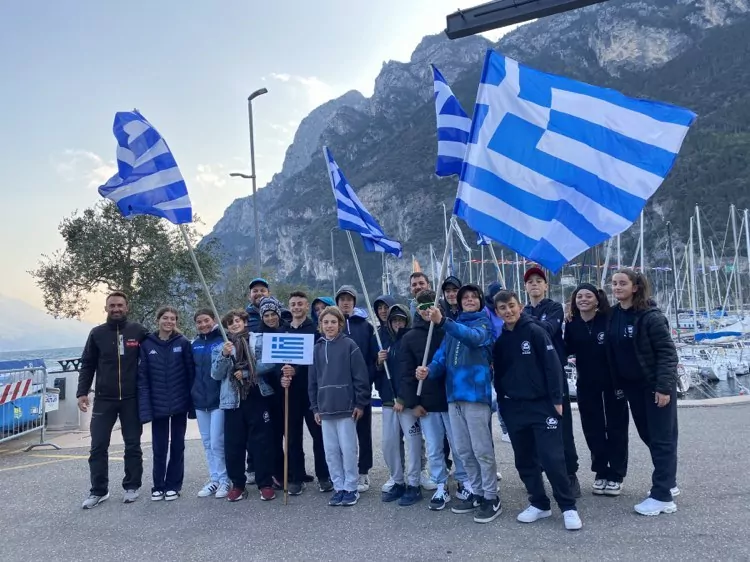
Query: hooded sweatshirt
{"type": "Point", "coordinates": [205, 391]}
{"type": "Point", "coordinates": [360, 331]}
{"type": "Point", "coordinates": [338, 379]}
{"type": "Point", "coordinates": [388, 389]}
{"type": "Point", "coordinates": [411, 353]}
{"type": "Point", "coordinates": [446, 309]}
{"type": "Point", "coordinates": [550, 315]}
{"type": "Point", "coordinates": [299, 381]}
{"type": "Point", "coordinates": [383, 331]}
{"type": "Point", "coordinates": [526, 364]}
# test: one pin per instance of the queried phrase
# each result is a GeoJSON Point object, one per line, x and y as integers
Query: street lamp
{"type": "Point", "coordinates": [252, 175]}
{"type": "Point", "coordinates": [333, 260]}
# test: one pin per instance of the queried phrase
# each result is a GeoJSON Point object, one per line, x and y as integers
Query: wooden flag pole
{"type": "Point", "coordinates": [286, 445]}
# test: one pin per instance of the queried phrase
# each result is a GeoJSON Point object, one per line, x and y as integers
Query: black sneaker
{"type": "Point", "coordinates": [466, 506]}
{"type": "Point", "coordinates": [295, 488]}
{"type": "Point", "coordinates": [488, 511]}
{"type": "Point", "coordinates": [412, 495]}
{"type": "Point", "coordinates": [395, 493]}
{"type": "Point", "coordinates": [575, 486]}
{"type": "Point", "coordinates": [325, 486]}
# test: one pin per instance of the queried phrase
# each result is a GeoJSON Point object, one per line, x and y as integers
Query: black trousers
{"type": "Point", "coordinates": [299, 416]}
{"type": "Point", "coordinates": [168, 440]}
{"type": "Point", "coordinates": [604, 419]}
{"type": "Point", "coordinates": [103, 418]}
{"type": "Point", "coordinates": [536, 435]}
{"type": "Point", "coordinates": [657, 428]}
{"type": "Point", "coordinates": [364, 436]}
{"type": "Point", "coordinates": [250, 423]}
{"type": "Point", "coordinates": [571, 455]}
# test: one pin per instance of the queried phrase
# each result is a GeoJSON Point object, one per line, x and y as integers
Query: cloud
{"type": "Point", "coordinates": [317, 91]}
{"type": "Point", "coordinates": [83, 166]}
{"type": "Point", "coordinates": [210, 176]}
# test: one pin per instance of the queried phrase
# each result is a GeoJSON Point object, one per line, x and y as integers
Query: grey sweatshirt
{"type": "Point", "coordinates": [338, 379]}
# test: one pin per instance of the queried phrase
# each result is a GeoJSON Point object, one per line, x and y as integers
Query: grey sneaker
{"type": "Point", "coordinates": [93, 500]}
{"type": "Point", "coordinates": [130, 496]}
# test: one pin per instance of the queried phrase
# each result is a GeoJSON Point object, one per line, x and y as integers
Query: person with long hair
{"type": "Point", "coordinates": [604, 412]}
{"type": "Point", "coordinates": [644, 360]}
{"type": "Point", "coordinates": [165, 377]}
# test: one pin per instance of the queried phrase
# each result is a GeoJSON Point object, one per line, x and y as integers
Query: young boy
{"type": "Point", "coordinates": [397, 419]}
{"type": "Point", "coordinates": [529, 384]}
{"type": "Point", "coordinates": [464, 361]}
{"type": "Point", "coordinates": [339, 391]}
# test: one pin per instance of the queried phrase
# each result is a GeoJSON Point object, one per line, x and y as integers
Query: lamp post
{"type": "Point", "coordinates": [333, 260]}
{"type": "Point", "coordinates": [252, 175]}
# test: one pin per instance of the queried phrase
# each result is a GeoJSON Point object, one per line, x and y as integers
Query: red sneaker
{"type": "Point", "coordinates": [236, 494]}
{"type": "Point", "coordinates": [267, 494]}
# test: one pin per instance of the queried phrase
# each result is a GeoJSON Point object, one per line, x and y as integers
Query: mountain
{"type": "Point", "coordinates": [23, 327]}
{"type": "Point", "coordinates": [692, 53]}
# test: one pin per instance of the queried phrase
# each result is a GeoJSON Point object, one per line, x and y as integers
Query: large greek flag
{"type": "Point", "coordinates": [148, 181]}
{"type": "Point", "coordinates": [453, 127]}
{"type": "Point", "coordinates": [352, 214]}
{"type": "Point", "coordinates": [555, 166]}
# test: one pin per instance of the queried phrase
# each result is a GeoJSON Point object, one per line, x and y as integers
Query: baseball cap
{"type": "Point", "coordinates": [534, 271]}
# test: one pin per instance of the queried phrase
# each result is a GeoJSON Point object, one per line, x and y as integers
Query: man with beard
{"type": "Point", "coordinates": [111, 355]}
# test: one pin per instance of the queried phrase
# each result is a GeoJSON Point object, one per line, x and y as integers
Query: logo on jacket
{"type": "Point", "coordinates": [526, 348]}
{"type": "Point", "coordinates": [543, 318]}
{"type": "Point", "coordinates": [619, 394]}
{"type": "Point", "coordinates": [551, 423]}
{"type": "Point", "coordinates": [131, 343]}
{"type": "Point", "coordinates": [153, 352]}
{"type": "Point", "coordinates": [628, 331]}
{"type": "Point", "coordinates": [266, 417]}
{"type": "Point", "coordinates": [600, 337]}
{"type": "Point", "coordinates": [177, 349]}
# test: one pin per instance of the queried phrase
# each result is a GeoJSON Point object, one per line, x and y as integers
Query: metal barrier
{"type": "Point", "coordinates": [25, 400]}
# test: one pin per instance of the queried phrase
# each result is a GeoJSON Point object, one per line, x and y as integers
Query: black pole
{"type": "Point", "coordinates": [674, 279]}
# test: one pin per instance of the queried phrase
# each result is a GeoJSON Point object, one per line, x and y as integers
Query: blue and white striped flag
{"type": "Point", "coordinates": [453, 127]}
{"type": "Point", "coordinates": [148, 181]}
{"type": "Point", "coordinates": [555, 166]}
{"type": "Point", "coordinates": [352, 214]}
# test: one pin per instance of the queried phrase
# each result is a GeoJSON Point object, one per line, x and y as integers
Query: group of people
{"type": "Point", "coordinates": [440, 368]}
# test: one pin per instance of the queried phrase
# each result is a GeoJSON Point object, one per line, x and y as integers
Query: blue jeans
{"type": "Point", "coordinates": [168, 436]}
{"type": "Point", "coordinates": [211, 427]}
{"type": "Point", "coordinates": [342, 452]}
{"type": "Point", "coordinates": [435, 427]}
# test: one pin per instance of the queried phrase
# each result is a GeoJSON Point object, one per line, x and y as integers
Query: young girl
{"type": "Point", "coordinates": [165, 377]}
{"type": "Point", "coordinates": [339, 389]}
{"type": "Point", "coordinates": [604, 414]}
{"type": "Point", "coordinates": [644, 359]}
{"type": "Point", "coordinates": [245, 398]}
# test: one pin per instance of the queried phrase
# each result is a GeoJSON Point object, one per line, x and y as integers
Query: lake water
{"type": "Point", "coordinates": [50, 356]}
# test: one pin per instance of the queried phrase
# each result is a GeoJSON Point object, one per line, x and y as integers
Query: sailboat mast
{"type": "Point", "coordinates": [737, 280]}
{"type": "Point", "coordinates": [703, 260]}
{"type": "Point", "coordinates": [692, 280]}
{"type": "Point", "coordinates": [643, 249]}
{"type": "Point", "coordinates": [716, 274]}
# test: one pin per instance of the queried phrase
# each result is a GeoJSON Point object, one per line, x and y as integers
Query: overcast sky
{"type": "Point", "coordinates": [188, 66]}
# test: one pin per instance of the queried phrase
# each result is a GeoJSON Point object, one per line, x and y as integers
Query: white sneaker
{"type": "Point", "coordinates": [426, 481]}
{"type": "Point", "coordinates": [171, 495]}
{"type": "Point", "coordinates": [531, 514]}
{"type": "Point", "coordinates": [651, 507]}
{"type": "Point", "coordinates": [222, 491]}
{"type": "Point", "coordinates": [250, 477]}
{"type": "Point", "coordinates": [208, 490]}
{"type": "Point", "coordinates": [388, 486]}
{"type": "Point", "coordinates": [675, 491]}
{"type": "Point", "coordinates": [364, 483]}
{"type": "Point", "coordinates": [598, 488]}
{"type": "Point", "coordinates": [157, 496]}
{"type": "Point", "coordinates": [572, 521]}
{"type": "Point", "coordinates": [505, 438]}
{"type": "Point", "coordinates": [613, 488]}
{"type": "Point", "coordinates": [130, 496]}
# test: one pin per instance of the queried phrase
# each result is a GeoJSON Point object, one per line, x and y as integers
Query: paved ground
{"type": "Point", "coordinates": [41, 518]}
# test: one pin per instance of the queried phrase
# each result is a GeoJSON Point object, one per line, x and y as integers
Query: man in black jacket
{"type": "Point", "coordinates": [550, 315]}
{"type": "Point", "coordinates": [299, 408]}
{"type": "Point", "coordinates": [529, 385]}
{"type": "Point", "coordinates": [111, 355]}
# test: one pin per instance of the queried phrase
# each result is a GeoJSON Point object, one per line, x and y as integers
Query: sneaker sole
{"type": "Point", "coordinates": [488, 519]}
{"type": "Point", "coordinates": [171, 498]}
{"type": "Point", "coordinates": [612, 493]}
{"type": "Point", "coordinates": [157, 499]}
{"type": "Point", "coordinates": [667, 510]}
{"type": "Point", "coordinates": [598, 492]}
{"type": "Point", "coordinates": [543, 515]}
{"type": "Point", "coordinates": [578, 528]}
{"type": "Point", "coordinates": [460, 511]}
{"type": "Point", "coordinates": [242, 497]}
{"type": "Point", "coordinates": [202, 495]}
{"type": "Point", "coordinates": [101, 500]}
{"type": "Point", "coordinates": [348, 504]}
{"type": "Point", "coordinates": [129, 500]}
{"type": "Point", "coordinates": [268, 499]}
{"type": "Point", "coordinates": [221, 496]}
{"type": "Point", "coordinates": [433, 507]}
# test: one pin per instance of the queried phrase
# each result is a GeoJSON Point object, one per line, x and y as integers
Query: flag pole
{"type": "Point", "coordinates": [367, 297]}
{"type": "Point", "coordinates": [286, 445]}
{"type": "Point", "coordinates": [185, 237]}
{"type": "Point", "coordinates": [500, 275]}
{"type": "Point", "coordinates": [438, 294]}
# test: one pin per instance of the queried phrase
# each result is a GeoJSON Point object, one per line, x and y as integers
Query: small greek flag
{"type": "Point", "coordinates": [293, 349]}
{"type": "Point", "coordinates": [453, 126]}
{"type": "Point", "coordinates": [148, 181]}
{"type": "Point", "coordinates": [554, 166]}
{"type": "Point", "coordinates": [352, 214]}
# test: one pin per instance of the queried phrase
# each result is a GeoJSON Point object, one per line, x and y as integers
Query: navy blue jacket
{"type": "Point", "coordinates": [165, 377]}
{"type": "Point", "coordinates": [358, 329]}
{"type": "Point", "coordinates": [205, 390]}
{"type": "Point", "coordinates": [383, 331]}
{"type": "Point", "coordinates": [253, 318]}
{"type": "Point", "coordinates": [299, 384]}
{"type": "Point", "coordinates": [550, 315]}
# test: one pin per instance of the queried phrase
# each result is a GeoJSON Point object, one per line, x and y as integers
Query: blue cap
{"type": "Point", "coordinates": [258, 281]}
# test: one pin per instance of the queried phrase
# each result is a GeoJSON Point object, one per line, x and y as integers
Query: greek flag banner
{"type": "Point", "coordinates": [148, 181]}
{"type": "Point", "coordinates": [352, 214]}
{"type": "Point", "coordinates": [453, 127]}
{"type": "Point", "coordinates": [555, 166]}
{"type": "Point", "coordinates": [291, 349]}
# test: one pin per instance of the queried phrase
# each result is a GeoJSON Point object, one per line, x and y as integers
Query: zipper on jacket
{"type": "Point", "coordinates": [119, 370]}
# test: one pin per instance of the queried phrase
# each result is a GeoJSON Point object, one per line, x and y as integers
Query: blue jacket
{"type": "Point", "coordinates": [205, 390]}
{"type": "Point", "coordinates": [464, 358]}
{"type": "Point", "coordinates": [388, 389]}
{"type": "Point", "coordinates": [495, 320]}
{"type": "Point", "coordinates": [253, 317]}
{"type": "Point", "coordinates": [165, 377]}
{"type": "Point", "coordinates": [222, 370]}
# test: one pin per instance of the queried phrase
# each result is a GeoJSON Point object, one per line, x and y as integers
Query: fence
{"type": "Point", "coordinates": [25, 400]}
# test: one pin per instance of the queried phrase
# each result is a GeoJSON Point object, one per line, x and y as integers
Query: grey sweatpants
{"type": "Point", "coordinates": [393, 425]}
{"type": "Point", "coordinates": [472, 437]}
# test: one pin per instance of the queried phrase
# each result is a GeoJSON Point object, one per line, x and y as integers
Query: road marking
{"type": "Point", "coordinates": [32, 465]}
{"type": "Point", "coordinates": [55, 459]}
